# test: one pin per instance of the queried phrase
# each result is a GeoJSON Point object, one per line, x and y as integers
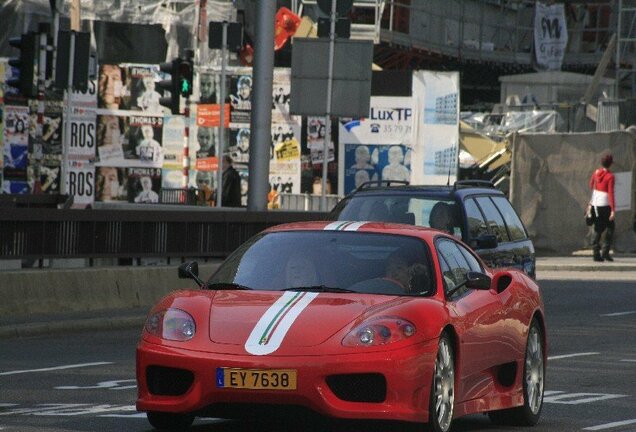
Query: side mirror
{"type": "Point", "coordinates": [486, 241]}
{"type": "Point", "coordinates": [190, 270]}
{"type": "Point", "coordinates": [474, 280]}
{"type": "Point", "coordinates": [477, 280]}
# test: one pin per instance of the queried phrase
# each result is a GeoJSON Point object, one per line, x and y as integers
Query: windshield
{"type": "Point", "coordinates": [428, 212]}
{"type": "Point", "coordinates": [333, 261]}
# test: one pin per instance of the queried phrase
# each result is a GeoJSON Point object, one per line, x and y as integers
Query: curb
{"type": "Point", "coordinates": [42, 328]}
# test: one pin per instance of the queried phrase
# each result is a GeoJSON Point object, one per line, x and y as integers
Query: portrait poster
{"type": "Point", "coordinates": [113, 87]}
{"type": "Point", "coordinates": [239, 144]}
{"type": "Point", "coordinates": [281, 89]}
{"type": "Point", "coordinates": [365, 163]}
{"type": "Point", "coordinates": [284, 177]}
{"type": "Point", "coordinates": [436, 156]}
{"type": "Point", "coordinates": [15, 148]}
{"type": "Point", "coordinates": [112, 138]}
{"type": "Point", "coordinates": [144, 94]}
{"type": "Point", "coordinates": [173, 142]}
{"type": "Point", "coordinates": [240, 99]}
{"type": "Point", "coordinates": [111, 184]}
{"type": "Point", "coordinates": [208, 88]}
{"type": "Point", "coordinates": [81, 182]}
{"type": "Point", "coordinates": [144, 185]}
{"type": "Point", "coordinates": [316, 130]}
{"type": "Point", "coordinates": [206, 141]}
{"type": "Point", "coordinates": [144, 141]}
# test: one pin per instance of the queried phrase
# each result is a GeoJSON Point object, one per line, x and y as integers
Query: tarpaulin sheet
{"type": "Point", "coordinates": [550, 187]}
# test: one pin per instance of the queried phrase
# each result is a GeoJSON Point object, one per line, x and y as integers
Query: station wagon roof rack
{"type": "Point", "coordinates": [380, 183]}
{"type": "Point", "coordinates": [474, 183]}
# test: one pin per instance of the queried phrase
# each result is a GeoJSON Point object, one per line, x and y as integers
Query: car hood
{"type": "Point", "coordinates": [266, 320]}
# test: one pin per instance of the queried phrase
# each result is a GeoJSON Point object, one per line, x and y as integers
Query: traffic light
{"type": "Point", "coordinates": [185, 74]}
{"type": "Point", "coordinates": [26, 64]}
{"type": "Point", "coordinates": [172, 85]}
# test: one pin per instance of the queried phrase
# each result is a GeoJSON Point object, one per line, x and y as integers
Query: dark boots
{"type": "Point", "coordinates": [597, 256]}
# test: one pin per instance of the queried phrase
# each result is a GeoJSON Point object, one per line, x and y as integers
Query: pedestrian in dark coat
{"type": "Point", "coordinates": [231, 196]}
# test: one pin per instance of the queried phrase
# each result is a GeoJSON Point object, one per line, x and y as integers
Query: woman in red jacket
{"type": "Point", "coordinates": [602, 204]}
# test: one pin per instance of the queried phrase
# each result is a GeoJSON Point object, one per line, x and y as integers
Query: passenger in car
{"type": "Point", "coordinates": [443, 218]}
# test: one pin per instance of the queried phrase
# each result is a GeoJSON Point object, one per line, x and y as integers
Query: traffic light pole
{"type": "Point", "coordinates": [325, 147]}
{"type": "Point", "coordinates": [186, 146]}
{"type": "Point", "coordinates": [39, 127]}
{"type": "Point", "coordinates": [219, 174]}
{"type": "Point", "coordinates": [67, 116]}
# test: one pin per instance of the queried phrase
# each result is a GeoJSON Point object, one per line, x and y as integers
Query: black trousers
{"type": "Point", "coordinates": [601, 224]}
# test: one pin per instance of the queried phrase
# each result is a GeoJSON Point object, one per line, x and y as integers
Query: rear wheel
{"type": "Point", "coordinates": [533, 384]}
{"type": "Point", "coordinates": [169, 421]}
{"type": "Point", "coordinates": [442, 401]}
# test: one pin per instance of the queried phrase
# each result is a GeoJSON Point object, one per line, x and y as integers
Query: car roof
{"type": "Point", "coordinates": [438, 191]}
{"type": "Point", "coordinates": [359, 226]}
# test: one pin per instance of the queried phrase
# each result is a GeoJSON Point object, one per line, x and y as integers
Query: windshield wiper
{"type": "Point", "coordinates": [320, 288]}
{"type": "Point", "coordinates": [226, 286]}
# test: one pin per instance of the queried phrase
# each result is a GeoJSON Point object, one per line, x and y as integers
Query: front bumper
{"type": "Point", "coordinates": [408, 373]}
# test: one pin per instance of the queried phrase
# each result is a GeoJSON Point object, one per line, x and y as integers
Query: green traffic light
{"type": "Point", "coordinates": [185, 87]}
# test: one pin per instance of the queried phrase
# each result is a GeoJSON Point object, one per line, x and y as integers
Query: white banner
{"type": "Point", "coordinates": [550, 35]}
{"type": "Point", "coordinates": [81, 182]}
{"type": "Point", "coordinates": [435, 157]}
{"type": "Point", "coordinates": [83, 133]}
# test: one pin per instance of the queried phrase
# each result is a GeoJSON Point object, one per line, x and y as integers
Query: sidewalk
{"type": "Point", "coordinates": [579, 266]}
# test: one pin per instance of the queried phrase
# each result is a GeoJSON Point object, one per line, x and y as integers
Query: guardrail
{"type": "Point", "coordinates": [127, 233]}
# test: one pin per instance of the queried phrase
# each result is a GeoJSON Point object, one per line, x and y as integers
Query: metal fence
{"type": "Point", "coordinates": [53, 233]}
{"type": "Point", "coordinates": [306, 202]}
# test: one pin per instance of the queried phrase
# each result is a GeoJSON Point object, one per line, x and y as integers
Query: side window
{"type": "Point", "coordinates": [455, 264]}
{"type": "Point", "coordinates": [476, 223]}
{"type": "Point", "coordinates": [495, 221]}
{"type": "Point", "coordinates": [515, 226]}
{"type": "Point", "coordinates": [474, 264]}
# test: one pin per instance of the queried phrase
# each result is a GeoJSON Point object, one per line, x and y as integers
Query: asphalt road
{"type": "Point", "coordinates": [85, 381]}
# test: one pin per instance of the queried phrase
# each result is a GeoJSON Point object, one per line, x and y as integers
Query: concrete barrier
{"type": "Point", "coordinates": [29, 292]}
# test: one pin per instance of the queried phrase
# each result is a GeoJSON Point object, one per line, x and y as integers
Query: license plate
{"type": "Point", "coordinates": [256, 379]}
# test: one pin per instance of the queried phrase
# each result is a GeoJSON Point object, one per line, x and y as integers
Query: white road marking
{"type": "Point", "coordinates": [629, 360]}
{"type": "Point", "coordinates": [572, 355]}
{"type": "Point", "coordinates": [619, 314]}
{"type": "Point", "coordinates": [579, 398]}
{"type": "Point", "coordinates": [138, 415]}
{"type": "Point", "coordinates": [611, 425]}
{"type": "Point", "coordinates": [112, 385]}
{"type": "Point", "coordinates": [80, 365]}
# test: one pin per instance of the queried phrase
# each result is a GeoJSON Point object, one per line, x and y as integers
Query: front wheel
{"type": "Point", "coordinates": [169, 421]}
{"type": "Point", "coordinates": [533, 384]}
{"type": "Point", "coordinates": [442, 402]}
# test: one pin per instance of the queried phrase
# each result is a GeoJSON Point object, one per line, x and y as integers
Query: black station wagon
{"type": "Point", "coordinates": [472, 210]}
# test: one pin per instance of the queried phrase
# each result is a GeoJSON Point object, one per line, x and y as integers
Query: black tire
{"type": "Point", "coordinates": [170, 421]}
{"type": "Point", "coordinates": [441, 406]}
{"type": "Point", "coordinates": [533, 384]}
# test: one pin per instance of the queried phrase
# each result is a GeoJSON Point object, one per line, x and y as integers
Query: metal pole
{"type": "Point", "coordinates": [67, 118]}
{"type": "Point", "coordinates": [261, 121]}
{"type": "Point", "coordinates": [219, 152]}
{"type": "Point", "coordinates": [619, 45]}
{"type": "Point", "coordinates": [43, 31]}
{"type": "Point", "coordinates": [325, 147]}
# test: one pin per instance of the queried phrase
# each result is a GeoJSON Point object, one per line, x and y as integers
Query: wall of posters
{"type": "Point", "coordinates": [15, 149]}
{"type": "Point", "coordinates": [435, 159]}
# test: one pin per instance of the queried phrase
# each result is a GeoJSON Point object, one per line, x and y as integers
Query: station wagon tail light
{"type": "Point", "coordinates": [171, 324]}
{"type": "Point", "coordinates": [379, 331]}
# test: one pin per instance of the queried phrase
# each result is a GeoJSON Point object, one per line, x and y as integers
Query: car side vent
{"type": "Point", "coordinates": [358, 387]}
{"type": "Point", "coordinates": [166, 381]}
{"type": "Point", "coordinates": [503, 282]}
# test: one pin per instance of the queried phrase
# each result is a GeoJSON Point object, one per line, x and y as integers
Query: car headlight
{"type": "Point", "coordinates": [171, 324]}
{"type": "Point", "coordinates": [379, 331]}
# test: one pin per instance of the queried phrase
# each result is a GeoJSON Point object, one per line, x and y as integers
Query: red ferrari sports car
{"type": "Point", "coordinates": [362, 320]}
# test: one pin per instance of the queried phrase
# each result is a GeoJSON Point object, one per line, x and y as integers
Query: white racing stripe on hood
{"type": "Point", "coordinates": [270, 330]}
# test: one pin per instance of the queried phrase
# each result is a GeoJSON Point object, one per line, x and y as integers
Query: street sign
{"type": "Point", "coordinates": [351, 79]}
{"type": "Point", "coordinates": [234, 36]}
{"type": "Point", "coordinates": [80, 60]}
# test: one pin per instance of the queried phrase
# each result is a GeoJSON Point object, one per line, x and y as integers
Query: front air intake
{"type": "Point", "coordinates": [166, 381]}
{"type": "Point", "coordinates": [370, 387]}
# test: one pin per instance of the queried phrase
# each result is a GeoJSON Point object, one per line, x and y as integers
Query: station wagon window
{"type": "Point", "coordinates": [515, 226]}
{"type": "Point", "coordinates": [495, 221]}
{"type": "Point", "coordinates": [476, 223]}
